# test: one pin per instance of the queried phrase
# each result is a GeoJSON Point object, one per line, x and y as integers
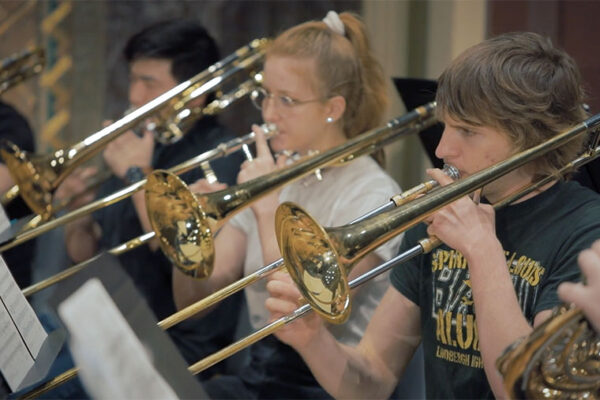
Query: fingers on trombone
{"type": "Point", "coordinates": [203, 186]}
{"type": "Point", "coordinates": [262, 147]}
{"type": "Point", "coordinates": [281, 159]}
{"type": "Point", "coordinates": [439, 176]}
{"type": "Point", "coordinates": [282, 289]}
{"type": "Point", "coordinates": [477, 196]}
{"type": "Point", "coordinates": [75, 183]}
{"type": "Point", "coordinates": [87, 172]}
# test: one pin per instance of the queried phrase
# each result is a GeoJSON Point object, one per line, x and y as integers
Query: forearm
{"type": "Point", "coordinates": [266, 231]}
{"type": "Point", "coordinates": [188, 290]}
{"type": "Point", "coordinates": [139, 202]}
{"type": "Point", "coordinates": [499, 322]}
{"type": "Point", "coordinates": [81, 239]}
{"type": "Point", "coordinates": [346, 372]}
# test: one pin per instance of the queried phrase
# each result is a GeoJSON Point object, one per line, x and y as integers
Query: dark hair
{"type": "Point", "coordinates": [521, 84]}
{"type": "Point", "coordinates": [188, 46]}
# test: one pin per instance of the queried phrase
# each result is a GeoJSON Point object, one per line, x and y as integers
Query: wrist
{"type": "Point", "coordinates": [136, 173]}
{"type": "Point", "coordinates": [266, 205]}
{"type": "Point", "coordinates": [483, 249]}
{"type": "Point", "coordinates": [320, 337]}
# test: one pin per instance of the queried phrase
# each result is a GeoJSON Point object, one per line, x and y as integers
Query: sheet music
{"type": "Point", "coordinates": [113, 362]}
{"type": "Point", "coordinates": [21, 333]}
{"type": "Point", "coordinates": [4, 221]}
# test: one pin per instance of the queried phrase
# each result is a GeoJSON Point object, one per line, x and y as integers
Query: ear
{"type": "Point", "coordinates": [336, 106]}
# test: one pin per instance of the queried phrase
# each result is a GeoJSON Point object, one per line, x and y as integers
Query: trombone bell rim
{"type": "Point", "coordinates": [312, 262]}
{"type": "Point", "coordinates": [182, 228]}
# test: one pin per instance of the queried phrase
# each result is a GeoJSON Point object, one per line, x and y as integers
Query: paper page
{"type": "Point", "coordinates": [4, 221]}
{"type": "Point", "coordinates": [21, 334]}
{"type": "Point", "coordinates": [113, 362]}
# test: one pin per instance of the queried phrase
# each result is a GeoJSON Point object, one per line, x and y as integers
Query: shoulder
{"type": "Point", "coordinates": [365, 174]}
{"type": "Point", "coordinates": [577, 198]}
{"type": "Point", "coordinates": [573, 217]}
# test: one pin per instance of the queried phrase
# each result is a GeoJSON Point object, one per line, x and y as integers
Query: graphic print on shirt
{"type": "Point", "coordinates": [453, 306]}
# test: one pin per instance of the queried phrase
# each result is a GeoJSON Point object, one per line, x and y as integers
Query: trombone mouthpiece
{"type": "Point", "coordinates": [270, 130]}
{"type": "Point", "coordinates": [451, 171]}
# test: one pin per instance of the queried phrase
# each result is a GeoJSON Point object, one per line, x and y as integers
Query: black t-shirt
{"type": "Point", "coordinates": [152, 271]}
{"type": "Point", "coordinates": [15, 128]}
{"type": "Point", "coordinates": [541, 237]}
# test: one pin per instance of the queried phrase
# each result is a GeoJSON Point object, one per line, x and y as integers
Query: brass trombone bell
{"type": "Point", "coordinates": [184, 223]}
{"type": "Point", "coordinates": [319, 259]}
{"type": "Point", "coordinates": [38, 176]}
{"type": "Point", "coordinates": [21, 66]}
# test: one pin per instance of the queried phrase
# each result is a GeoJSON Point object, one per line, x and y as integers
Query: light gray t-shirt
{"type": "Point", "coordinates": [343, 194]}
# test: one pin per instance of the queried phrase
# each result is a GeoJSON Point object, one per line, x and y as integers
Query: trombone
{"type": "Point", "coordinates": [223, 204]}
{"type": "Point", "coordinates": [38, 176]}
{"type": "Point", "coordinates": [18, 67]}
{"type": "Point", "coordinates": [340, 248]}
{"type": "Point", "coordinates": [443, 196]}
{"type": "Point", "coordinates": [171, 205]}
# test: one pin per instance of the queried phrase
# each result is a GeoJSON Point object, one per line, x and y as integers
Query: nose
{"type": "Point", "coordinates": [269, 111]}
{"type": "Point", "coordinates": [447, 148]}
{"type": "Point", "coordinates": [136, 94]}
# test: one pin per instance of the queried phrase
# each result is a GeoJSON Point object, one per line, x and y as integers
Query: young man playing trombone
{"type": "Point", "coordinates": [495, 277]}
{"type": "Point", "coordinates": [159, 57]}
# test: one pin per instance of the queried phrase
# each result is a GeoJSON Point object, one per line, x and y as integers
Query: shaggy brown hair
{"type": "Point", "coordinates": [522, 85]}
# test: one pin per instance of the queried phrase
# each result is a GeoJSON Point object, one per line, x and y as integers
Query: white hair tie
{"type": "Point", "coordinates": [333, 22]}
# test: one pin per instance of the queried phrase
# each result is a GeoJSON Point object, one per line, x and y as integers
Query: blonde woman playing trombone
{"type": "Point", "coordinates": [321, 87]}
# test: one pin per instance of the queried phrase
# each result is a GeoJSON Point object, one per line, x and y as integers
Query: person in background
{"type": "Point", "coordinates": [159, 57]}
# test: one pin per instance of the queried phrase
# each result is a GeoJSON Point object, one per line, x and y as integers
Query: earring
{"type": "Point", "coordinates": [329, 120]}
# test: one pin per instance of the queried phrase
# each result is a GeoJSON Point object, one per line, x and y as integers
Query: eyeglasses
{"type": "Point", "coordinates": [260, 95]}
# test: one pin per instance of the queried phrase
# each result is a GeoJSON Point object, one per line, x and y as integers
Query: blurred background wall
{"type": "Point", "coordinates": [85, 80]}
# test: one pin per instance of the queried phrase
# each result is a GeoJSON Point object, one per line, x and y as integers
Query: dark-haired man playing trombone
{"type": "Point", "coordinates": [159, 57]}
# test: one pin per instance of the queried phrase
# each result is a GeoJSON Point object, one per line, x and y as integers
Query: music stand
{"type": "Point", "coordinates": [415, 92]}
